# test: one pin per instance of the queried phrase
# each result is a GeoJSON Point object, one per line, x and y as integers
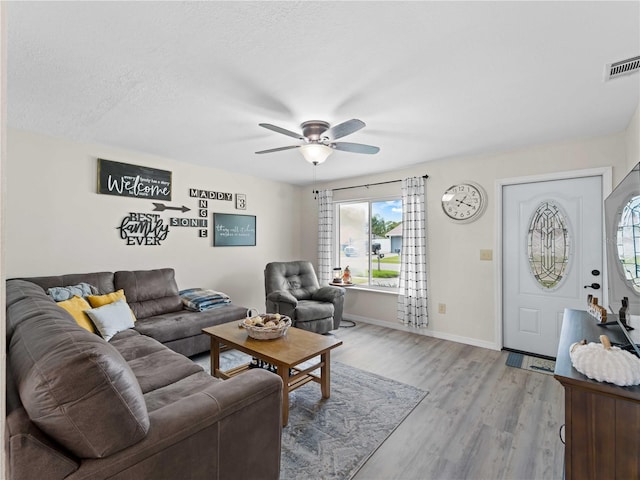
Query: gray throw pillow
{"type": "Point", "coordinates": [60, 294]}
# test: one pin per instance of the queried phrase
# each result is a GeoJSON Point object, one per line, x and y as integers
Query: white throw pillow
{"type": "Point", "coordinates": [111, 318]}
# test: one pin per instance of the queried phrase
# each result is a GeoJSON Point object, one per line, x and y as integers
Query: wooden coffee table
{"type": "Point", "coordinates": [284, 353]}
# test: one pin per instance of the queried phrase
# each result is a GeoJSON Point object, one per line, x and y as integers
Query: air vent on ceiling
{"type": "Point", "coordinates": [623, 67]}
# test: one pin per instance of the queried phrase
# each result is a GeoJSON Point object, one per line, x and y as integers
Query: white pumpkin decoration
{"type": "Point", "coordinates": [604, 363]}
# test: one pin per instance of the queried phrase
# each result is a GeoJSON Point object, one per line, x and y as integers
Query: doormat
{"type": "Point", "coordinates": [534, 364]}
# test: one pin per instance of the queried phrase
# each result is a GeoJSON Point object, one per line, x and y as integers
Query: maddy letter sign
{"type": "Point", "coordinates": [124, 180]}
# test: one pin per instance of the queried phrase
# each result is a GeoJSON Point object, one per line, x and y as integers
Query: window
{"type": "Point", "coordinates": [628, 239]}
{"type": "Point", "coordinates": [548, 245]}
{"type": "Point", "coordinates": [370, 241]}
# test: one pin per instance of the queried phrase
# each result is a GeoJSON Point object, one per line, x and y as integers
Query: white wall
{"type": "Point", "coordinates": [3, 149]}
{"type": "Point", "coordinates": [632, 140]}
{"type": "Point", "coordinates": [457, 277]}
{"type": "Point", "coordinates": [56, 223]}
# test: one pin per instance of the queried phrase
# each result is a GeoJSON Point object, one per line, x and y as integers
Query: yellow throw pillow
{"type": "Point", "coordinates": [102, 300]}
{"type": "Point", "coordinates": [76, 306]}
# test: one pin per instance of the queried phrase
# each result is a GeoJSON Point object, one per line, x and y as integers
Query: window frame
{"type": "Point", "coordinates": [336, 241]}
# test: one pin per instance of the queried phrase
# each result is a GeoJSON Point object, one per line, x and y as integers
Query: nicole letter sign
{"type": "Point", "coordinates": [124, 180]}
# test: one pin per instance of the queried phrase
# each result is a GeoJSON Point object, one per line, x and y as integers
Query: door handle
{"type": "Point", "coordinates": [595, 286]}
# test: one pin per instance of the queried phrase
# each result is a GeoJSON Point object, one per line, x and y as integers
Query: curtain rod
{"type": "Point", "coordinates": [371, 184]}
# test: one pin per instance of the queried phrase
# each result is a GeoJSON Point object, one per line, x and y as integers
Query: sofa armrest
{"type": "Point", "coordinates": [30, 453]}
{"type": "Point", "coordinates": [328, 294]}
{"type": "Point", "coordinates": [209, 431]}
{"type": "Point", "coordinates": [282, 296]}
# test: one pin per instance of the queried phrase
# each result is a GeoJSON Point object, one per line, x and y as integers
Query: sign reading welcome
{"type": "Point", "coordinates": [125, 180]}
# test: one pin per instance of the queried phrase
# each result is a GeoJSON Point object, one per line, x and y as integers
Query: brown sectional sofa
{"type": "Point", "coordinates": [79, 407]}
{"type": "Point", "coordinates": [153, 296]}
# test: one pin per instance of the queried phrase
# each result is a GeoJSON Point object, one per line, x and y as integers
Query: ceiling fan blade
{"type": "Point", "coordinates": [355, 147]}
{"type": "Point", "coordinates": [281, 130]}
{"type": "Point", "coordinates": [345, 128]}
{"type": "Point", "coordinates": [279, 149]}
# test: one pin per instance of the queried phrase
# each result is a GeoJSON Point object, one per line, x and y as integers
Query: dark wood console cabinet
{"type": "Point", "coordinates": [602, 420]}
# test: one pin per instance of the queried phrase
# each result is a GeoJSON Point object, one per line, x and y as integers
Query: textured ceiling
{"type": "Point", "coordinates": [192, 80]}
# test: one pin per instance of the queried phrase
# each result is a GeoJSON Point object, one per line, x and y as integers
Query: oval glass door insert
{"type": "Point", "coordinates": [548, 245]}
{"type": "Point", "coordinates": [628, 240]}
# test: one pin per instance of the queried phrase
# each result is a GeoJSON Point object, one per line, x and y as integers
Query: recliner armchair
{"type": "Point", "coordinates": [292, 289]}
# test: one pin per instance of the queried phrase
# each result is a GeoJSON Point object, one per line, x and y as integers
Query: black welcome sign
{"type": "Point", "coordinates": [125, 180]}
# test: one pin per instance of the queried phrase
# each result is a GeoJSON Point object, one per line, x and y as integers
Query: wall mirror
{"type": "Point", "coordinates": [622, 231]}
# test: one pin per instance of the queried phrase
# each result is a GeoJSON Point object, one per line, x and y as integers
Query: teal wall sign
{"type": "Point", "coordinates": [231, 230]}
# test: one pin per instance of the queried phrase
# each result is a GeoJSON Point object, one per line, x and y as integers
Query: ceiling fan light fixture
{"type": "Point", "coordinates": [315, 153]}
{"type": "Point", "coordinates": [319, 139]}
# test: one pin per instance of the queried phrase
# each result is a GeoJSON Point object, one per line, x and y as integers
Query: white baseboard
{"type": "Point", "coordinates": [425, 331]}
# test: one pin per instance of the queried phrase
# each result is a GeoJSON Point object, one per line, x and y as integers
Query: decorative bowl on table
{"type": "Point", "coordinates": [266, 326]}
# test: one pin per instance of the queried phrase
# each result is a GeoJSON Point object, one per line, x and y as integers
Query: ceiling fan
{"type": "Point", "coordinates": [319, 139]}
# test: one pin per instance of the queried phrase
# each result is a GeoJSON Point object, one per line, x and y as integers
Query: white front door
{"type": "Point", "coordinates": [551, 249]}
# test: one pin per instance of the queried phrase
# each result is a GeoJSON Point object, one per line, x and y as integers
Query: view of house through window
{"type": "Point", "coordinates": [629, 242]}
{"type": "Point", "coordinates": [370, 241]}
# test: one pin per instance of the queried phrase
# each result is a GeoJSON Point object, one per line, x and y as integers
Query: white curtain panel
{"type": "Point", "coordinates": [325, 236]}
{"type": "Point", "coordinates": [412, 298]}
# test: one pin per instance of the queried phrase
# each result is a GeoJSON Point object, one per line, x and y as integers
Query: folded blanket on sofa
{"type": "Point", "coordinates": [198, 299]}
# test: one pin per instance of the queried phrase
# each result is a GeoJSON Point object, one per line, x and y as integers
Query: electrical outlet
{"type": "Point", "coordinates": [486, 254]}
{"type": "Point", "coordinates": [442, 308]}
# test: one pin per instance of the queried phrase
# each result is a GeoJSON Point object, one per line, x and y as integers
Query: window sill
{"type": "Point", "coordinates": [364, 288]}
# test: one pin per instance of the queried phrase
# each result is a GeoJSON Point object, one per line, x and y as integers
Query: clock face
{"type": "Point", "coordinates": [464, 202]}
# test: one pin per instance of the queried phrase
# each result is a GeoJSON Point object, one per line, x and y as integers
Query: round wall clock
{"type": "Point", "coordinates": [464, 202]}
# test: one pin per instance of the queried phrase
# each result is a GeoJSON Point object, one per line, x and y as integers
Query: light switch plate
{"type": "Point", "coordinates": [486, 254]}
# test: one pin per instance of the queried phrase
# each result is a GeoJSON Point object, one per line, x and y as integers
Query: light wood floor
{"type": "Point", "coordinates": [481, 419]}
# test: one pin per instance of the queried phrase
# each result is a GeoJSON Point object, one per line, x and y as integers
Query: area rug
{"type": "Point", "coordinates": [528, 362]}
{"type": "Point", "coordinates": [332, 438]}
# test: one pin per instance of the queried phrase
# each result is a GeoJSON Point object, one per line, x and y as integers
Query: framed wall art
{"type": "Point", "coordinates": [125, 180]}
{"type": "Point", "coordinates": [230, 230]}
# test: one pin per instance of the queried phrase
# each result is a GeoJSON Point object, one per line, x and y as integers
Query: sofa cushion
{"type": "Point", "coordinates": [149, 292]}
{"type": "Point", "coordinates": [310, 310]}
{"type": "Point", "coordinates": [176, 391]}
{"type": "Point", "coordinates": [17, 309]}
{"type": "Point", "coordinates": [125, 333]}
{"type": "Point", "coordinates": [135, 346]}
{"type": "Point", "coordinates": [183, 324]}
{"type": "Point", "coordinates": [161, 368]}
{"type": "Point", "coordinates": [297, 277]}
{"type": "Point", "coordinates": [103, 281]}
{"type": "Point", "coordinates": [154, 365]}
{"type": "Point", "coordinates": [96, 408]}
